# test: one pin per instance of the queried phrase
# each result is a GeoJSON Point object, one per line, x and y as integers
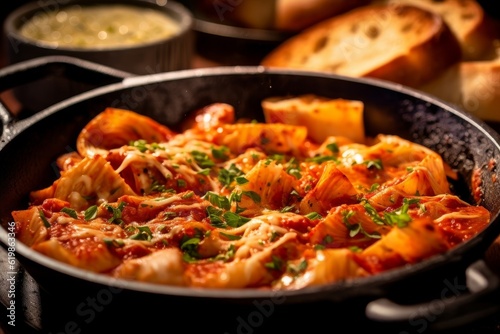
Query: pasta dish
{"type": "Point", "coordinates": [303, 198]}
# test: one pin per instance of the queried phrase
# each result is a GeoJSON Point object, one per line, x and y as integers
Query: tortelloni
{"type": "Point", "coordinates": [227, 203]}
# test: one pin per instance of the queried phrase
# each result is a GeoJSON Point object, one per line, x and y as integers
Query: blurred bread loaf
{"type": "Point", "coordinates": [295, 15]}
{"type": "Point", "coordinates": [283, 15]}
{"type": "Point", "coordinates": [396, 42]}
{"type": "Point", "coordinates": [473, 86]}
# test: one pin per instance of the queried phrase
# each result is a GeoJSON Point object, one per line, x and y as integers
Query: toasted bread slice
{"type": "Point", "coordinates": [400, 43]}
{"type": "Point", "coordinates": [466, 19]}
{"type": "Point", "coordinates": [473, 86]}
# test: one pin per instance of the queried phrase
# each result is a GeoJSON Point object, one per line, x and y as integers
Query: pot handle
{"type": "Point", "coordinates": [72, 68]}
{"type": "Point", "coordinates": [479, 302]}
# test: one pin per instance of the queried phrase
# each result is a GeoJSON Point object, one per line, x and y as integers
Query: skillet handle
{"type": "Point", "coordinates": [455, 310]}
{"type": "Point", "coordinates": [78, 70]}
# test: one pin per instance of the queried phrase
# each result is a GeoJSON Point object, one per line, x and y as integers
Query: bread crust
{"type": "Point", "coordinates": [295, 15]}
{"type": "Point", "coordinates": [466, 19]}
{"type": "Point", "coordinates": [396, 42]}
{"type": "Point", "coordinates": [473, 86]}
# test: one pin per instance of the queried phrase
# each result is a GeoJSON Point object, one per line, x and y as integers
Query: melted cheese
{"type": "Point", "coordinates": [148, 159]}
{"type": "Point", "coordinates": [239, 238]}
{"type": "Point", "coordinates": [161, 201]}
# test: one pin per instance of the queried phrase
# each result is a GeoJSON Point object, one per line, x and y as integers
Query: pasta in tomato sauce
{"type": "Point", "coordinates": [295, 201]}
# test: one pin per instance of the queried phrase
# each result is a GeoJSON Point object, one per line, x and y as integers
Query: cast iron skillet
{"type": "Point", "coordinates": [442, 292]}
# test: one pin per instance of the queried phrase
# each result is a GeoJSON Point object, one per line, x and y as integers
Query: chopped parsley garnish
{"type": "Point", "coordinates": [91, 212]}
{"type": "Point", "coordinates": [205, 171]}
{"type": "Point", "coordinates": [288, 208]}
{"type": "Point", "coordinates": [376, 163]}
{"type": "Point", "coordinates": [327, 239]}
{"type": "Point", "coordinates": [143, 145]}
{"type": "Point", "coordinates": [227, 176]}
{"type": "Point", "coordinates": [274, 235]}
{"type": "Point", "coordinates": [143, 233]}
{"type": "Point", "coordinates": [235, 197]}
{"type": "Point", "coordinates": [157, 187]}
{"type": "Point", "coordinates": [140, 144]}
{"type": "Point", "coordinates": [190, 249]}
{"type": "Point", "coordinates": [230, 236]}
{"type": "Point", "coordinates": [44, 219]}
{"type": "Point", "coordinates": [221, 218]}
{"type": "Point", "coordinates": [228, 255]}
{"type": "Point", "coordinates": [297, 269]}
{"type": "Point", "coordinates": [169, 215]}
{"type": "Point", "coordinates": [234, 220]}
{"type": "Point", "coordinates": [187, 195]}
{"type": "Point", "coordinates": [313, 216]}
{"type": "Point", "coordinates": [202, 159]}
{"type": "Point", "coordinates": [400, 217]}
{"type": "Point", "coordinates": [70, 212]}
{"type": "Point", "coordinates": [215, 216]}
{"type": "Point", "coordinates": [275, 264]}
{"type": "Point", "coordinates": [276, 157]}
{"type": "Point", "coordinates": [355, 249]}
{"type": "Point", "coordinates": [333, 147]}
{"type": "Point", "coordinates": [117, 213]}
{"type": "Point", "coordinates": [356, 228]}
{"type": "Point", "coordinates": [221, 153]}
{"type": "Point", "coordinates": [241, 180]}
{"type": "Point", "coordinates": [319, 159]}
{"type": "Point", "coordinates": [322, 158]}
{"type": "Point", "coordinates": [116, 243]}
{"type": "Point", "coordinates": [217, 200]}
{"type": "Point", "coordinates": [293, 168]}
{"type": "Point", "coordinates": [252, 195]}
{"type": "Point", "coordinates": [370, 210]}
